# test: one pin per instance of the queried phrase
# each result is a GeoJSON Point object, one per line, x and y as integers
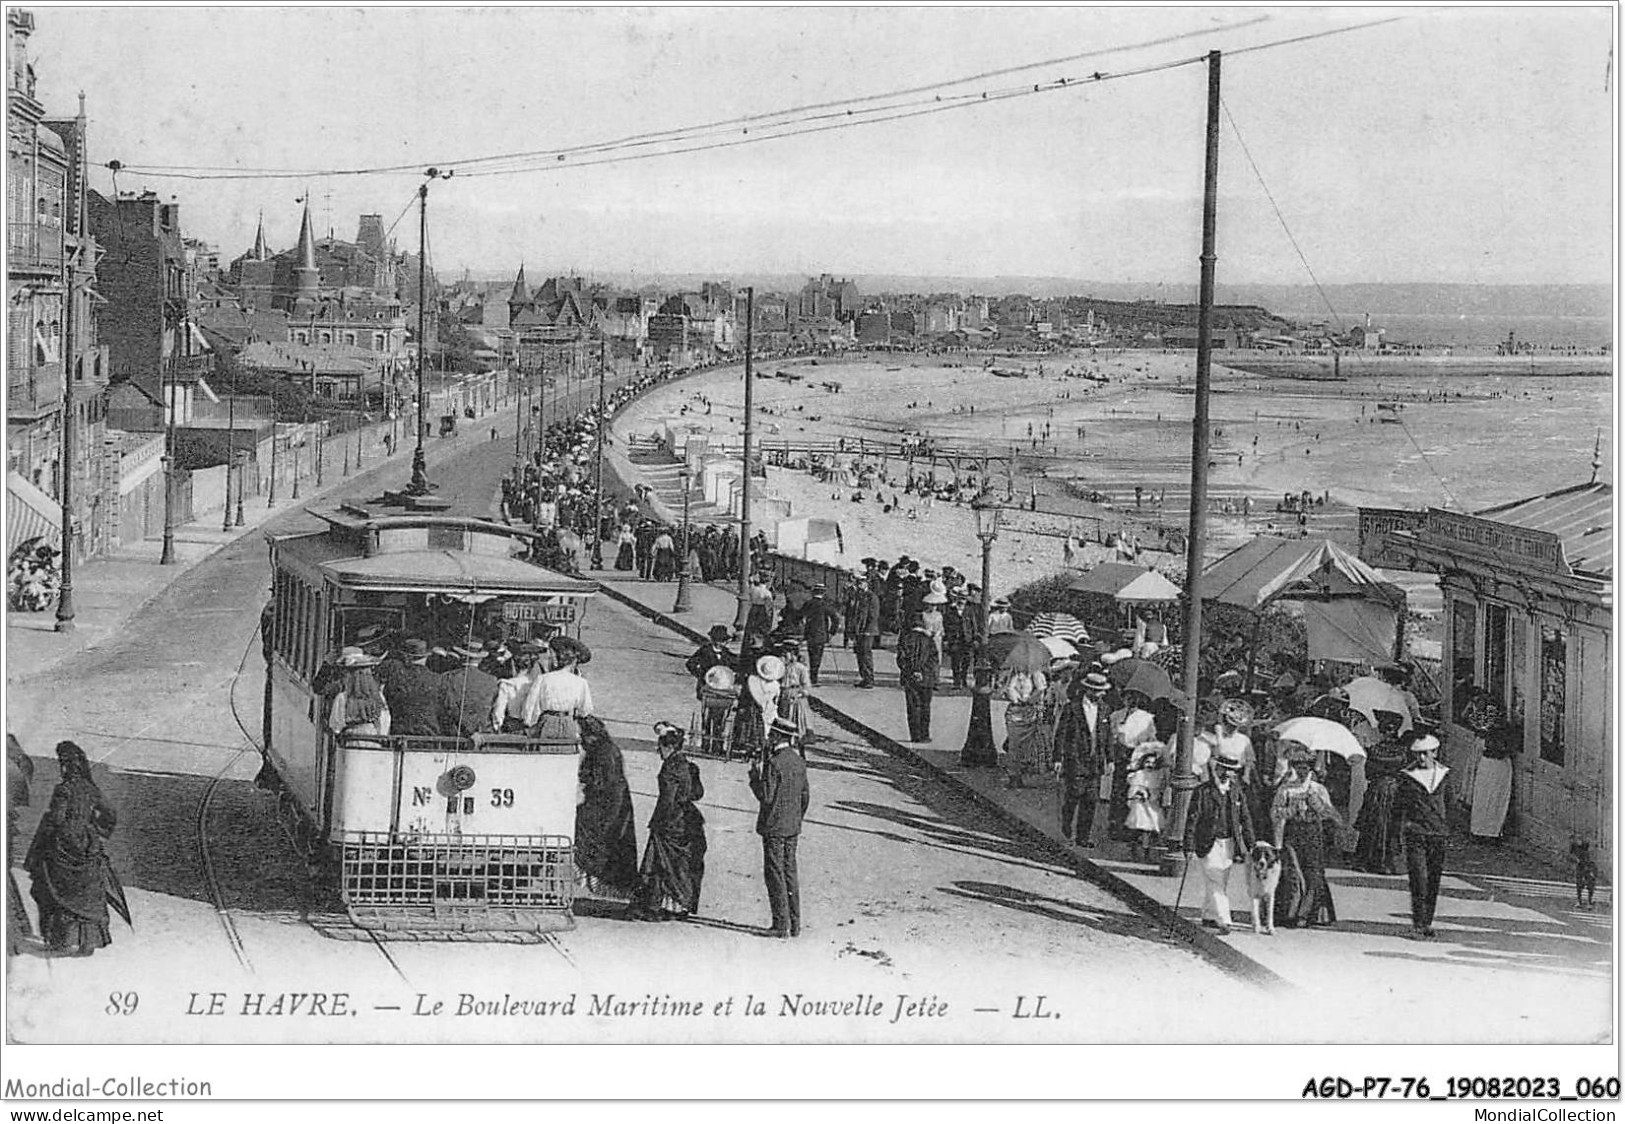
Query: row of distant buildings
{"type": "Point", "coordinates": [152, 330]}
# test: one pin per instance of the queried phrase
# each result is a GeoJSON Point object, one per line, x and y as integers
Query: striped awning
{"type": "Point", "coordinates": [30, 513]}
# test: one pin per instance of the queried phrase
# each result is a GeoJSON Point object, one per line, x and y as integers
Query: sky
{"type": "Point", "coordinates": [1452, 145]}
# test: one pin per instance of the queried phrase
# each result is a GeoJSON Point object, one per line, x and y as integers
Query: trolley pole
{"type": "Point", "coordinates": [64, 598]}
{"type": "Point", "coordinates": [270, 496]}
{"type": "Point", "coordinates": [1196, 539]}
{"type": "Point", "coordinates": [231, 447]}
{"type": "Point", "coordinates": [167, 556]}
{"type": "Point", "coordinates": [420, 485]}
{"type": "Point", "coordinates": [743, 592]}
{"type": "Point", "coordinates": [598, 487]}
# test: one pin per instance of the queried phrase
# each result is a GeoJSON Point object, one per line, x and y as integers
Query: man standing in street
{"type": "Point", "coordinates": [956, 639]}
{"type": "Point", "coordinates": [779, 783]}
{"type": "Point", "coordinates": [1081, 742]}
{"type": "Point", "coordinates": [819, 620]}
{"type": "Point", "coordinates": [1219, 833]}
{"type": "Point", "coordinates": [917, 664]}
{"type": "Point", "coordinates": [863, 626]}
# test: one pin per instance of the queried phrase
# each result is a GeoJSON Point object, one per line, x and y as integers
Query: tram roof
{"type": "Point", "coordinates": [431, 571]}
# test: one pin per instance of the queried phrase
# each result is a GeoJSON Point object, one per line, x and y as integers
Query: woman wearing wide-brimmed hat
{"type": "Point", "coordinates": [359, 706]}
{"type": "Point", "coordinates": [758, 705]}
{"type": "Point", "coordinates": [1300, 815]}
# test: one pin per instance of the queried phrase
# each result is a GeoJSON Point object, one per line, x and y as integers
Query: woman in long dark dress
{"type": "Point", "coordinates": [1300, 813]}
{"type": "Point", "coordinates": [606, 841]}
{"type": "Point", "coordinates": [1380, 850]}
{"type": "Point", "coordinates": [674, 858]}
{"type": "Point", "coordinates": [73, 882]}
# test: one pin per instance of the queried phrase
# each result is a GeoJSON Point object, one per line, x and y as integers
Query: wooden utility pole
{"type": "Point", "coordinates": [1196, 540]}
{"type": "Point", "coordinates": [743, 593]}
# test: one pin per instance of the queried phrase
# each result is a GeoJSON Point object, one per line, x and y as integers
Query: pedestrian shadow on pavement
{"type": "Point", "coordinates": [1498, 943]}
{"type": "Point", "coordinates": [1124, 924]}
{"type": "Point", "coordinates": [939, 833]}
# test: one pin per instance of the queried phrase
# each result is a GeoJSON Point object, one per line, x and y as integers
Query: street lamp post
{"type": "Point", "coordinates": [231, 448]}
{"type": "Point", "coordinates": [598, 484]}
{"type": "Point", "coordinates": [684, 598]}
{"type": "Point", "coordinates": [242, 470]}
{"type": "Point", "coordinates": [979, 751]}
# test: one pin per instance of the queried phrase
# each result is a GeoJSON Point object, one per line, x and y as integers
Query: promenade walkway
{"type": "Point", "coordinates": [1509, 933]}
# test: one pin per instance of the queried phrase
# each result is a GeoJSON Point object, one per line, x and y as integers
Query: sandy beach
{"type": "Point", "coordinates": [1127, 424]}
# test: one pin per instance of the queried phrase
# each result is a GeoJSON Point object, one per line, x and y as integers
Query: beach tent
{"type": "Point", "coordinates": [1352, 613]}
{"type": "Point", "coordinates": [1126, 583]}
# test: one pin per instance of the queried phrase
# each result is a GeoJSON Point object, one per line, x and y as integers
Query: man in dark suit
{"type": "Point", "coordinates": [863, 626]}
{"type": "Point", "coordinates": [917, 664]}
{"type": "Point", "coordinates": [467, 696]}
{"type": "Point", "coordinates": [780, 785]}
{"type": "Point", "coordinates": [412, 691]}
{"type": "Point", "coordinates": [1219, 833]}
{"type": "Point", "coordinates": [819, 620]}
{"type": "Point", "coordinates": [1081, 744]}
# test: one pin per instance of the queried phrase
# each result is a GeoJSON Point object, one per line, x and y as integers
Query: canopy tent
{"type": "Point", "coordinates": [30, 513]}
{"type": "Point", "coordinates": [1126, 583]}
{"type": "Point", "coordinates": [1352, 613]}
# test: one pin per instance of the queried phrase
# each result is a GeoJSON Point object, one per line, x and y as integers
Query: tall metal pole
{"type": "Point", "coordinates": [64, 599]}
{"type": "Point", "coordinates": [1197, 537]}
{"type": "Point", "coordinates": [744, 490]}
{"type": "Point", "coordinates": [685, 597]}
{"type": "Point", "coordinates": [270, 496]}
{"type": "Point", "coordinates": [167, 557]}
{"type": "Point", "coordinates": [538, 414]}
{"type": "Point", "coordinates": [598, 486]}
{"type": "Point", "coordinates": [231, 447]}
{"type": "Point", "coordinates": [420, 474]}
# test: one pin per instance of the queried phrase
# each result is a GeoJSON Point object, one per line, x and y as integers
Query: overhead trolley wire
{"type": "Point", "coordinates": [1324, 296]}
{"type": "Point", "coordinates": [797, 121]}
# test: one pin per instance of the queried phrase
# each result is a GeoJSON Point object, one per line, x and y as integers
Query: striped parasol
{"type": "Point", "coordinates": [1058, 626]}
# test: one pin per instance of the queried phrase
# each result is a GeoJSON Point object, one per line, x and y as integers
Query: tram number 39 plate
{"type": "Point", "coordinates": [528, 611]}
{"type": "Point", "coordinates": [465, 805]}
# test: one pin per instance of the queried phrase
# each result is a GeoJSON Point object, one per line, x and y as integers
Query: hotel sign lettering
{"type": "Point", "coordinates": [1377, 524]}
{"type": "Point", "coordinates": [1519, 546]}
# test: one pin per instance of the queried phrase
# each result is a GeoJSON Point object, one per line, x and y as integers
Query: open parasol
{"type": "Point", "coordinates": [1368, 694]}
{"type": "Point", "coordinates": [1017, 651]}
{"type": "Point", "coordinates": [1059, 647]}
{"type": "Point", "coordinates": [1063, 626]}
{"type": "Point", "coordinates": [1321, 735]}
{"type": "Point", "coordinates": [1140, 675]}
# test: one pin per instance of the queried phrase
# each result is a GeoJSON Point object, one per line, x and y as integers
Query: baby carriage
{"type": "Point", "coordinates": [710, 728]}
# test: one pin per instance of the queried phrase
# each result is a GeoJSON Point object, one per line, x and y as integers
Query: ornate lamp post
{"type": "Point", "coordinates": [979, 751]}
{"type": "Point", "coordinates": [684, 598]}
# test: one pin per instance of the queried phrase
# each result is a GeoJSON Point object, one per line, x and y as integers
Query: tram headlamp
{"type": "Point", "coordinates": [461, 778]}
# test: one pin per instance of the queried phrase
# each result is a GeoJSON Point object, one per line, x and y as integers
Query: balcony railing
{"type": "Point", "coordinates": [34, 246]}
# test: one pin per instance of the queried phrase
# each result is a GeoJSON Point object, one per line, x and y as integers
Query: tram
{"type": "Point", "coordinates": [419, 833]}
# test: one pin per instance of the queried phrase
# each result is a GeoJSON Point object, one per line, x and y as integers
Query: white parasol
{"type": "Point", "coordinates": [1321, 735]}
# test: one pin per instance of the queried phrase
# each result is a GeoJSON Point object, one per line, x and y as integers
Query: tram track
{"type": "Point", "coordinates": [211, 880]}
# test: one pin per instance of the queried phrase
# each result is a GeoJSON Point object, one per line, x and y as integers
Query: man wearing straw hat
{"type": "Point", "coordinates": [1083, 739]}
{"type": "Point", "coordinates": [779, 782]}
{"type": "Point", "coordinates": [1219, 833]}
